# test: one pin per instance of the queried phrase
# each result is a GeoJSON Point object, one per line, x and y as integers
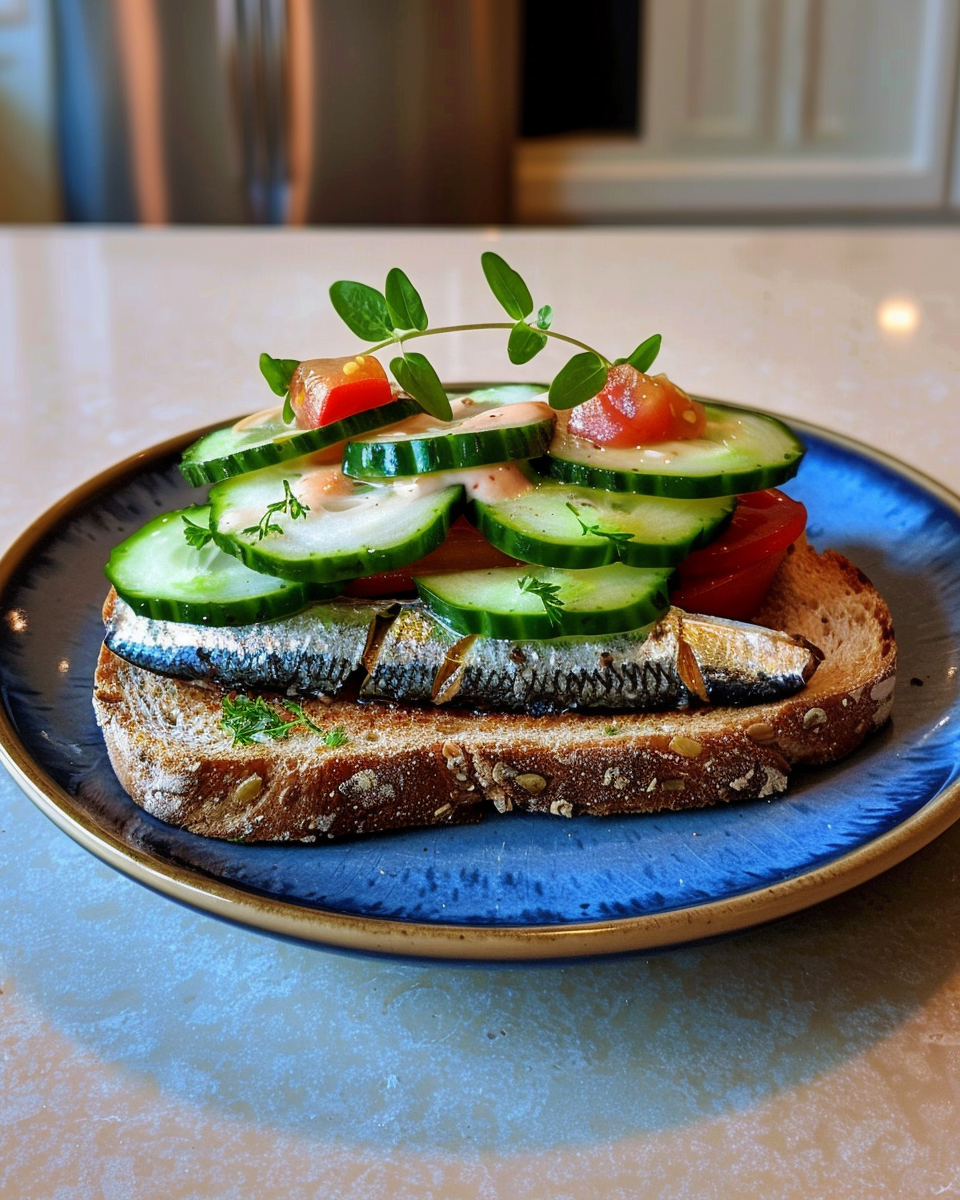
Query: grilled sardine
{"type": "Point", "coordinates": [315, 651]}
{"type": "Point", "coordinates": [679, 661]}
{"type": "Point", "coordinates": [411, 658]}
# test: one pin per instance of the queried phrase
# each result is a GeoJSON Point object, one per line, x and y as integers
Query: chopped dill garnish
{"type": "Point", "coordinates": [196, 535]}
{"type": "Point", "coordinates": [289, 506]}
{"type": "Point", "coordinates": [253, 719]}
{"type": "Point", "coordinates": [546, 593]}
{"type": "Point", "coordinates": [302, 717]}
{"type": "Point", "coordinates": [613, 535]}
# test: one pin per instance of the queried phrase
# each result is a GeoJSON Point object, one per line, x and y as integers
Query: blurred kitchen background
{"type": "Point", "coordinates": [452, 112]}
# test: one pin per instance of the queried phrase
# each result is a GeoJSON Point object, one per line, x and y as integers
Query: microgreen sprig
{"type": "Point", "coordinates": [397, 315]}
{"type": "Point", "coordinates": [547, 593]}
{"type": "Point", "coordinates": [288, 506]}
{"type": "Point", "coordinates": [278, 372]}
{"type": "Point", "coordinates": [617, 536]}
{"type": "Point", "coordinates": [253, 719]}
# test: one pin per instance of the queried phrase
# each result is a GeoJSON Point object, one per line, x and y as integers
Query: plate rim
{"type": "Point", "coordinates": [438, 940]}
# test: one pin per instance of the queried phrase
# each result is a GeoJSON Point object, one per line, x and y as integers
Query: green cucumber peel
{"type": "Point", "coordinates": [397, 315]}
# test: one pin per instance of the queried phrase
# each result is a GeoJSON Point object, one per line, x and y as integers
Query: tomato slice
{"type": "Point", "coordinates": [464, 549]}
{"type": "Point", "coordinates": [634, 409]}
{"type": "Point", "coordinates": [731, 576]}
{"type": "Point", "coordinates": [324, 390]}
{"type": "Point", "coordinates": [762, 524]}
{"type": "Point", "coordinates": [737, 596]}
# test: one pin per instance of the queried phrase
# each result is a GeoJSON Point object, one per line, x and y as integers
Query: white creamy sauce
{"type": "Point", "coordinates": [265, 416]}
{"type": "Point", "coordinates": [491, 484]}
{"type": "Point", "coordinates": [465, 420]}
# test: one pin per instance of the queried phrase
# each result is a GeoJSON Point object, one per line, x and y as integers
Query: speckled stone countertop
{"type": "Point", "coordinates": [147, 1050]}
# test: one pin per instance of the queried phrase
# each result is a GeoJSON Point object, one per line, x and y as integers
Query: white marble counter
{"type": "Point", "coordinates": [148, 1050]}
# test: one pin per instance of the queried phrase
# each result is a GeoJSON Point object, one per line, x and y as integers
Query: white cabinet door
{"type": "Point", "coordinates": [777, 105]}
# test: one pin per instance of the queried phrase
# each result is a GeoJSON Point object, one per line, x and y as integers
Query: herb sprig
{"type": "Point", "coordinates": [253, 719]}
{"type": "Point", "coordinates": [288, 506]}
{"type": "Point", "coordinates": [197, 535]}
{"type": "Point", "coordinates": [397, 315]}
{"type": "Point", "coordinates": [547, 593]}
{"type": "Point", "coordinates": [618, 536]}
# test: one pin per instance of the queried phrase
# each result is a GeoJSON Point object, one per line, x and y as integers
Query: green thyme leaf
{"type": "Point", "coordinates": [582, 377]}
{"type": "Point", "coordinates": [404, 303]}
{"type": "Point", "coordinates": [544, 317]}
{"type": "Point", "coordinates": [512, 293]}
{"type": "Point", "coordinates": [415, 375]}
{"type": "Point", "coordinates": [645, 354]}
{"type": "Point", "coordinates": [197, 535]}
{"type": "Point", "coordinates": [613, 535]}
{"type": "Point", "coordinates": [289, 506]}
{"type": "Point", "coordinates": [363, 309]}
{"type": "Point", "coordinates": [524, 343]}
{"type": "Point", "coordinates": [278, 372]}
{"type": "Point", "coordinates": [252, 719]}
{"type": "Point", "coordinates": [546, 593]}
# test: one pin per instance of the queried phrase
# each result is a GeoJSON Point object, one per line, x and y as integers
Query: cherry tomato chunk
{"type": "Point", "coordinates": [324, 390]}
{"type": "Point", "coordinates": [634, 409]}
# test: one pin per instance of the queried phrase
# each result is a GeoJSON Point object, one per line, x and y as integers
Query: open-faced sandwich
{"type": "Point", "coordinates": [402, 606]}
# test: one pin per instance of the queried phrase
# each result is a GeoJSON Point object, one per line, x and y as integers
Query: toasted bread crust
{"type": "Point", "coordinates": [410, 766]}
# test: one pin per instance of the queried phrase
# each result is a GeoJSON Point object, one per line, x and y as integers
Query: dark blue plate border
{"type": "Point", "coordinates": [511, 880]}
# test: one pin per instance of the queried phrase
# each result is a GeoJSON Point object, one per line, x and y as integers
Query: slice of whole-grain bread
{"type": "Point", "coordinates": [405, 766]}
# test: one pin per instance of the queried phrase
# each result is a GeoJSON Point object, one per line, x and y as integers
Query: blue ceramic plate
{"type": "Point", "coordinates": [514, 887]}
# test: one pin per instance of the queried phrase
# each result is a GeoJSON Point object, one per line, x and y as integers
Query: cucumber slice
{"type": "Point", "coordinates": [550, 525]}
{"type": "Point", "coordinates": [503, 393]}
{"type": "Point", "coordinates": [482, 432]}
{"type": "Point", "coordinates": [494, 603]}
{"type": "Point", "coordinates": [740, 451]}
{"type": "Point", "coordinates": [231, 451]}
{"type": "Point", "coordinates": [347, 531]}
{"type": "Point", "coordinates": [160, 575]}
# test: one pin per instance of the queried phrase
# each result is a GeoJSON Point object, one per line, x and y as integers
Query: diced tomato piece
{"type": "Point", "coordinates": [731, 576]}
{"type": "Point", "coordinates": [464, 549]}
{"type": "Point", "coordinates": [324, 390]}
{"type": "Point", "coordinates": [634, 409]}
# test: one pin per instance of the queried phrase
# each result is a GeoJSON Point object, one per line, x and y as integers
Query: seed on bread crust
{"type": "Point", "coordinates": [685, 746]}
{"type": "Point", "coordinates": [814, 717]}
{"type": "Point", "coordinates": [761, 732]}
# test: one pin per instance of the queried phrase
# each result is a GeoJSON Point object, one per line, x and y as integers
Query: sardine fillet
{"type": "Point", "coordinates": [412, 658]}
